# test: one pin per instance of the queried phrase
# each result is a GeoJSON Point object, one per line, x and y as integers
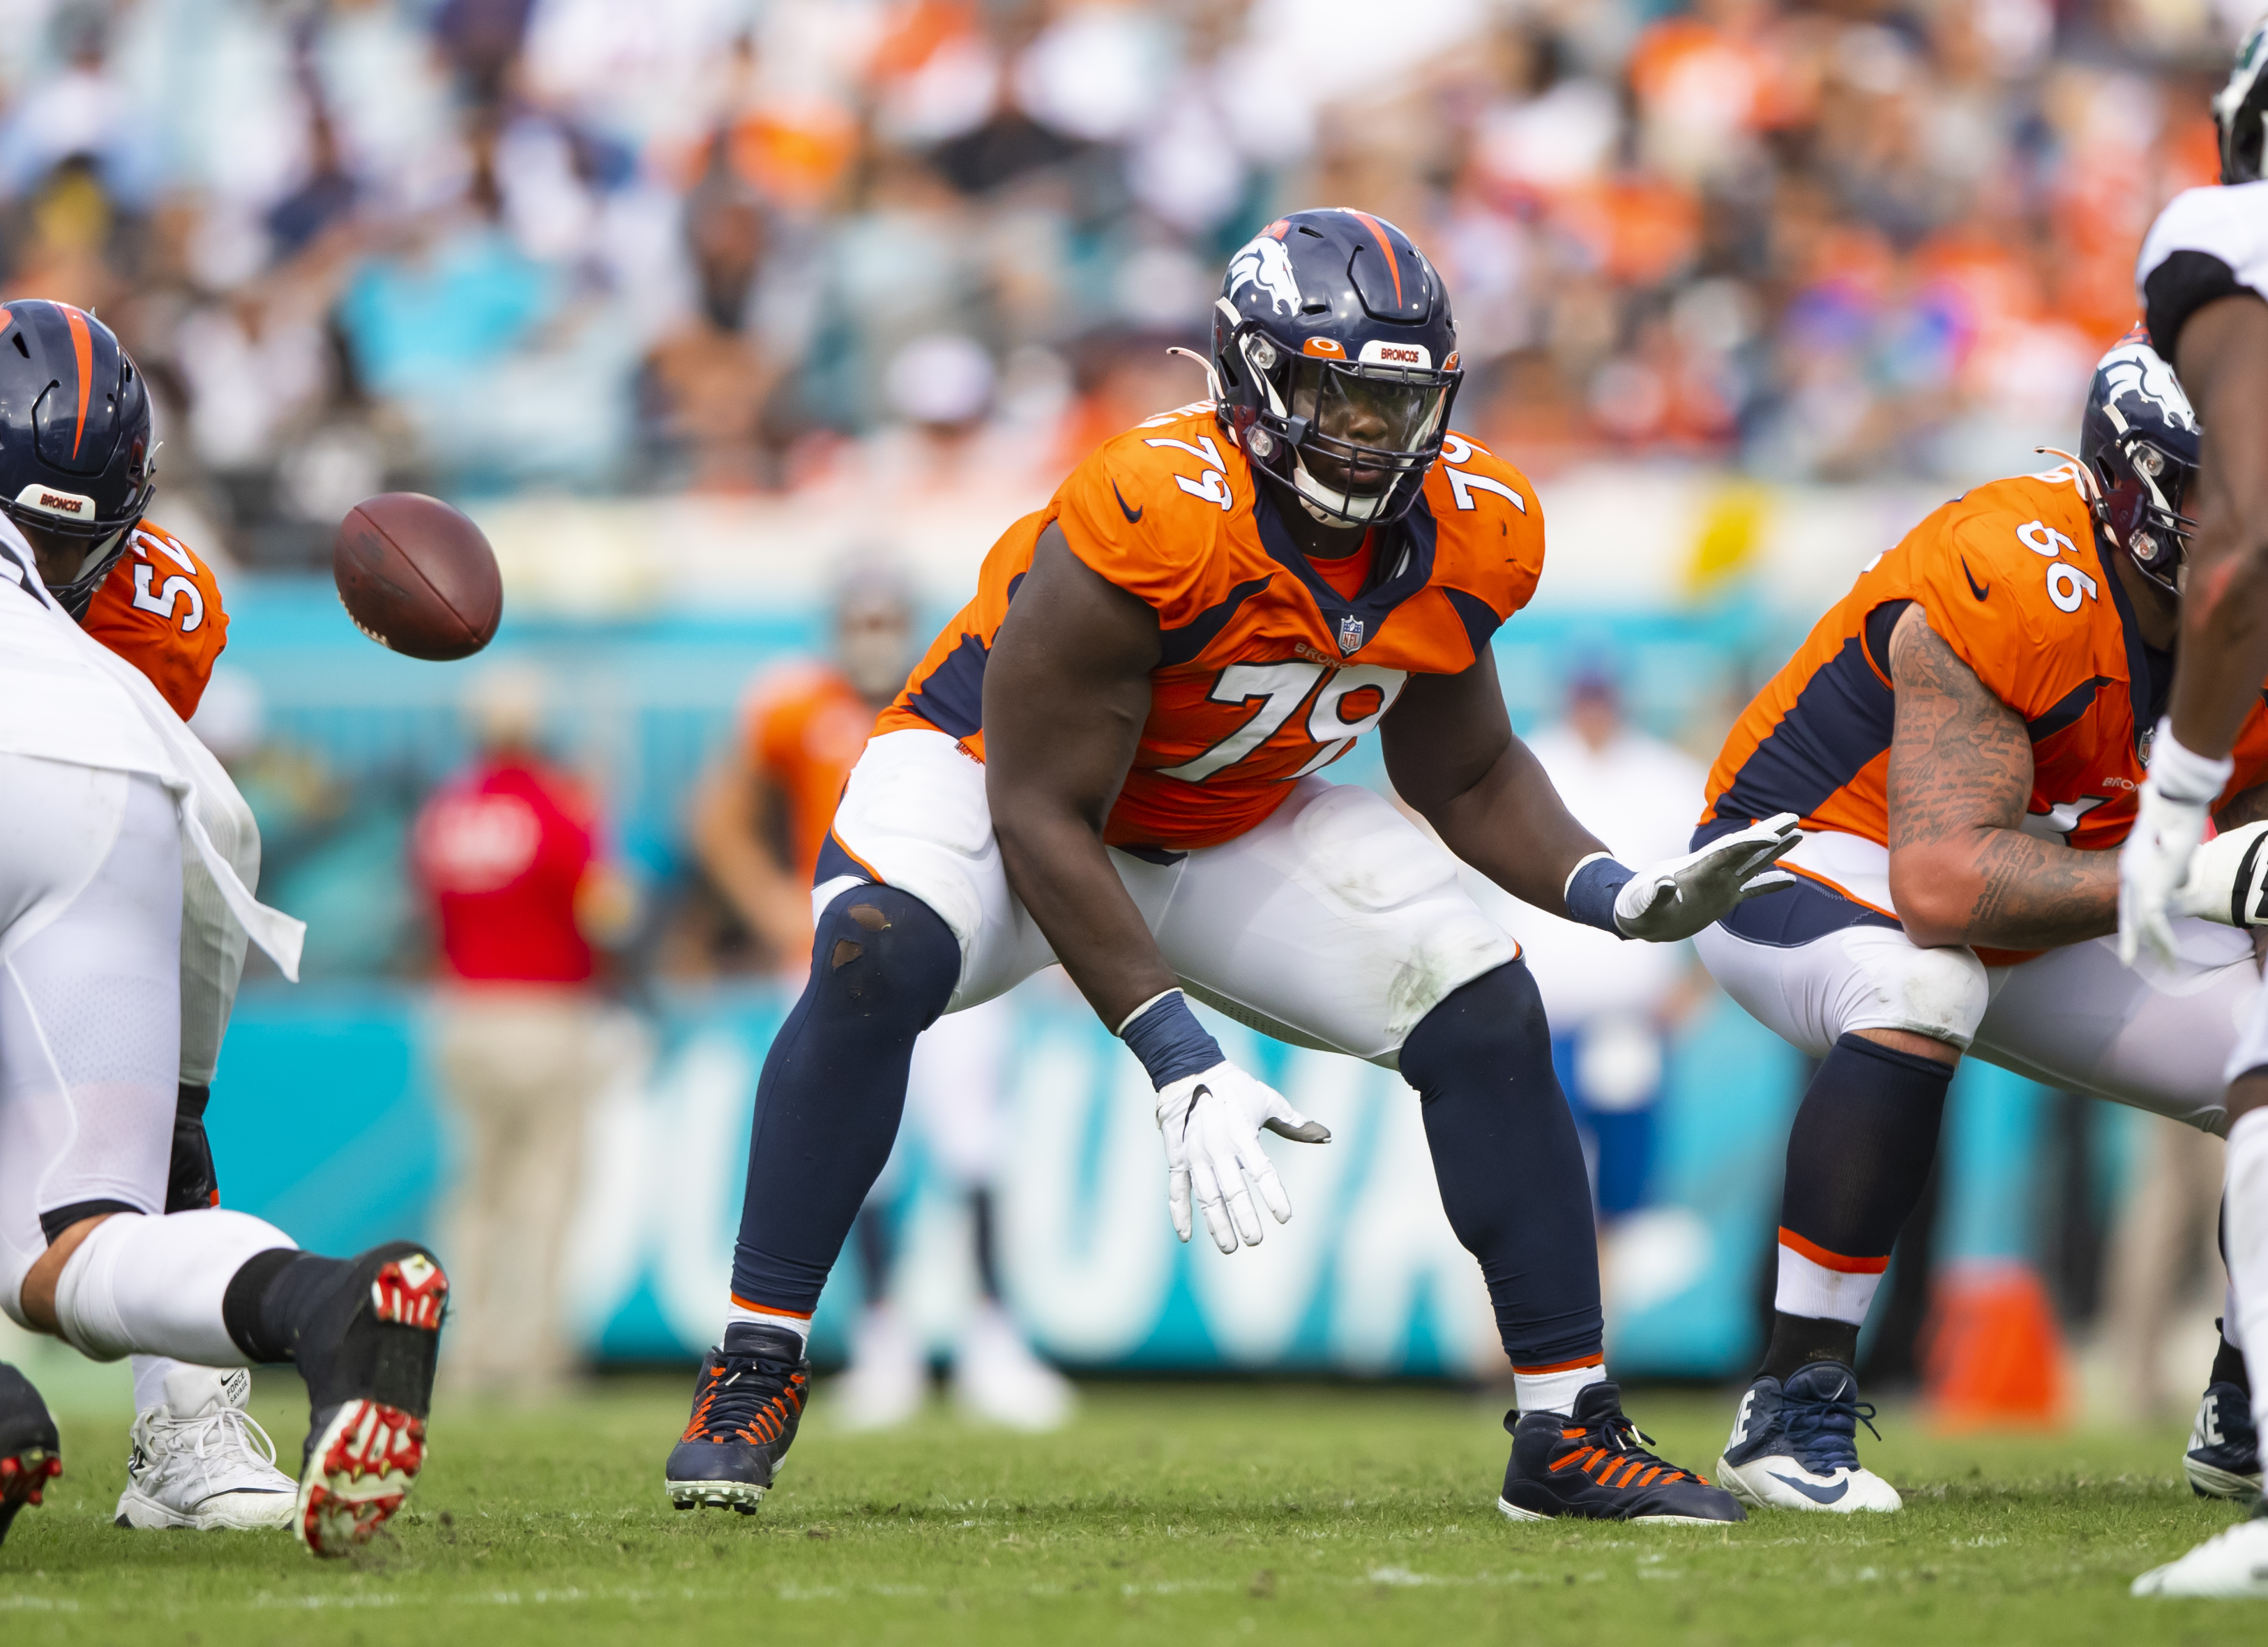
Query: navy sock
{"type": "Point", "coordinates": [1510, 1165]}
{"type": "Point", "coordinates": [1859, 1156]}
{"type": "Point", "coordinates": [883, 965]}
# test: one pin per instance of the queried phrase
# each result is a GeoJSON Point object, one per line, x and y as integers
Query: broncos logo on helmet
{"type": "Point", "coordinates": [1335, 362]}
{"type": "Point", "coordinates": [77, 461]}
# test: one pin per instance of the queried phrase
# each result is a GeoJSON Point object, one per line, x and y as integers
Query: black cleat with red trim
{"type": "Point", "coordinates": [367, 1354]}
{"type": "Point", "coordinates": [30, 1455]}
{"type": "Point", "coordinates": [746, 1405]}
{"type": "Point", "coordinates": [1594, 1464]}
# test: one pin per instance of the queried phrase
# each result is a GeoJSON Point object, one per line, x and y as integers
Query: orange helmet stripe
{"type": "Point", "coordinates": [1393, 263]}
{"type": "Point", "coordinates": [82, 346]}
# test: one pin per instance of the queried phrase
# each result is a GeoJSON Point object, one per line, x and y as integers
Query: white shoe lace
{"type": "Point", "coordinates": [224, 1449]}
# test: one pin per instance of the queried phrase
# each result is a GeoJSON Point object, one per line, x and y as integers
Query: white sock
{"type": "Point", "coordinates": [150, 1381]}
{"type": "Point", "coordinates": [1826, 1292]}
{"type": "Point", "coordinates": [2247, 1193]}
{"type": "Point", "coordinates": [800, 1325]}
{"type": "Point", "coordinates": [156, 1284]}
{"type": "Point", "coordinates": [1554, 1391]}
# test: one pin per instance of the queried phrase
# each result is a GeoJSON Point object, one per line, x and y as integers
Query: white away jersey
{"type": "Point", "coordinates": [2207, 243]}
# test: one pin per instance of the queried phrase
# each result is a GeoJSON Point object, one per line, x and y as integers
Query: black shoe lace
{"type": "Point", "coordinates": [747, 1398]}
{"type": "Point", "coordinates": [1822, 1432]}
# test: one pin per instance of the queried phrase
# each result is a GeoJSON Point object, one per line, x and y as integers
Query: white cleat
{"type": "Point", "coordinates": [997, 1379]}
{"type": "Point", "coordinates": [1782, 1483]}
{"type": "Point", "coordinates": [887, 1380]}
{"type": "Point", "coordinates": [202, 1461]}
{"type": "Point", "coordinates": [2232, 1565]}
{"type": "Point", "coordinates": [1794, 1446]}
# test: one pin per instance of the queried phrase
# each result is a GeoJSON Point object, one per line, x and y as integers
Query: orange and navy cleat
{"type": "Point", "coordinates": [1593, 1465]}
{"type": "Point", "coordinates": [30, 1454]}
{"type": "Point", "coordinates": [367, 1354]}
{"type": "Point", "coordinates": [746, 1405]}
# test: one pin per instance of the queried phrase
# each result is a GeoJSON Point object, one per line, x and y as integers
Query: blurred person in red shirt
{"type": "Point", "coordinates": [759, 820]}
{"type": "Point", "coordinates": [508, 853]}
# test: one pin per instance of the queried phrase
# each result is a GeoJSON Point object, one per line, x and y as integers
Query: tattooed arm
{"type": "Point", "coordinates": [1962, 869]}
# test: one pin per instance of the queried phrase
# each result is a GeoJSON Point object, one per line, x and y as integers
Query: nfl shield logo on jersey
{"type": "Point", "coordinates": [1350, 635]}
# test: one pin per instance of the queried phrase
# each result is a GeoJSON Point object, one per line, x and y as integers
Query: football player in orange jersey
{"type": "Point", "coordinates": [803, 728]}
{"type": "Point", "coordinates": [2203, 274]}
{"type": "Point", "coordinates": [199, 1460]}
{"type": "Point", "coordinates": [1111, 758]}
{"type": "Point", "coordinates": [1964, 735]}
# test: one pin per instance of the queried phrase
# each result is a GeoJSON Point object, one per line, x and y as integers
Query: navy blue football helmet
{"type": "Point", "coordinates": [2140, 438]}
{"type": "Point", "coordinates": [1334, 363]}
{"type": "Point", "coordinates": [77, 461]}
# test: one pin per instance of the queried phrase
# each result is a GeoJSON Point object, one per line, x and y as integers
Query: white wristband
{"type": "Point", "coordinates": [2182, 774]}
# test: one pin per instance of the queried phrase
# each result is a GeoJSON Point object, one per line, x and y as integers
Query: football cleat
{"type": "Point", "coordinates": [746, 1405]}
{"type": "Point", "coordinates": [1794, 1446]}
{"type": "Point", "coordinates": [1591, 1465]}
{"type": "Point", "coordinates": [367, 1353]}
{"type": "Point", "coordinates": [2223, 1461]}
{"type": "Point", "coordinates": [200, 1461]}
{"type": "Point", "coordinates": [2231, 1566]}
{"type": "Point", "coordinates": [30, 1455]}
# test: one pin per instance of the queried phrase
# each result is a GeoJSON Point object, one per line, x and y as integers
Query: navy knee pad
{"type": "Point", "coordinates": [1497, 1017]}
{"type": "Point", "coordinates": [881, 953]}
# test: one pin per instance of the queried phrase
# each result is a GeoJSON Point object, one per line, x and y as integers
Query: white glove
{"type": "Point", "coordinates": [1677, 898]}
{"type": "Point", "coordinates": [1211, 1122]}
{"type": "Point", "coordinates": [2229, 879]}
{"type": "Point", "coordinates": [2169, 817]}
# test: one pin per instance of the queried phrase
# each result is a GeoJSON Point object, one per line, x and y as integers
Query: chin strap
{"type": "Point", "coordinates": [1212, 377]}
{"type": "Point", "coordinates": [2084, 479]}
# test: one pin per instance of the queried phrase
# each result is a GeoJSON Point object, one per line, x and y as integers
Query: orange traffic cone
{"type": "Point", "coordinates": [1992, 1355]}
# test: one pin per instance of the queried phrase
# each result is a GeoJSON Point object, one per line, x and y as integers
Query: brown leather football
{"type": "Point", "coordinates": [417, 576]}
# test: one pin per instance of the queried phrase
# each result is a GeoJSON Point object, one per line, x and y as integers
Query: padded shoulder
{"type": "Point", "coordinates": [2207, 243]}
{"type": "Point", "coordinates": [2009, 578]}
{"type": "Point", "coordinates": [1489, 525]}
{"type": "Point", "coordinates": [1147, 509]}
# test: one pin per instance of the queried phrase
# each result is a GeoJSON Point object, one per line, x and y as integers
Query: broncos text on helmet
{"type": "Point", "coordinates": [1334, 363]}
{"type": "Point", "coordinates": [2139, 440]}
{"type": "Point", "coordinates": [77, 461]}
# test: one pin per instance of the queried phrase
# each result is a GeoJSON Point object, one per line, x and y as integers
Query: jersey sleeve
{"type": "Point", "coordinates": [1489, 535]}
{"type": "Point", "coordinates": [1143, 510]}
{"type": "Point", "coordinates": [772, 715]}
{"type": "Point", "coordinates": [1987, 576]}
{"type": "Point", "coordinates": [160, 610]}
{"type": "Point", "coordinates": [2207, 243]}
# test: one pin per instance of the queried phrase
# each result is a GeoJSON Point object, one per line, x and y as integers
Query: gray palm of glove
{"type": "Point", "coordinates": [1677, 898]}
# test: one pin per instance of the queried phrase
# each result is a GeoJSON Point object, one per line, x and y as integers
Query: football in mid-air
{"type": "Point", "coordinates": [417, 576]}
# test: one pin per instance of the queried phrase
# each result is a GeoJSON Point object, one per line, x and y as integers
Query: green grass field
{"type": "Point", "coordinates": [1190, 1513]}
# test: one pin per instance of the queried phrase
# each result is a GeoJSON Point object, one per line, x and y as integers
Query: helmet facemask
{"type": "Point", "coordinates": [1352, 439]}
{"type": "Point", "coordinates": [2143, 489]}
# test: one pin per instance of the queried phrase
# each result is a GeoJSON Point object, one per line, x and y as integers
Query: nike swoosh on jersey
{"type": "Point", "coordinates": [1817, 1495]}
{"type": "Point", "coordinates": [1133, 515]}
{"type": "Point", "coordinates": [1974, 588]}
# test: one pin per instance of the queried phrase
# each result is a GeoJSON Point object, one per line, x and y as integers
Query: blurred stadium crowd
{"type": "Point", "coordinates": [747, 244]}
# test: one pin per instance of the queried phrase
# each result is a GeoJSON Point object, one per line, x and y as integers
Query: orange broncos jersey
{"type": "Point", "coordinates": [804, 726]}
{"type": "Point", "coordinates": [2011, 578]}
{"type": "Point", "coordinates": [1268, 673]}
{"type": "Point", "coordinates": [160, 610]}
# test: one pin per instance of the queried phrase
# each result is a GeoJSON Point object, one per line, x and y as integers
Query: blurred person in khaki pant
{"type": "Point", "coordinates": [507, 853]}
